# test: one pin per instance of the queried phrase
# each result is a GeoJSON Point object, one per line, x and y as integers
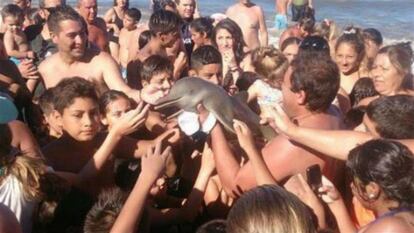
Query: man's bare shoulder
{"type": "Point", "coordinates": [51, 60]}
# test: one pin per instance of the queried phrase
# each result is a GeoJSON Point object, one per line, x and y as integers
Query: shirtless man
{"type": "Point", "coordinates": [309, 87]}
{"type": "Point", "coordinates": [97, 34]}
{"type": "Point", "coordinates": [74, 59]}
{"type": "Point", "coordinates": [250, 19]}
{"type": "Point", "coordinates": [281, 22]}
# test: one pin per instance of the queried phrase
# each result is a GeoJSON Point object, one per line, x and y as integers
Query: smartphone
{"type": "Point", "coordinates": [314, 177]}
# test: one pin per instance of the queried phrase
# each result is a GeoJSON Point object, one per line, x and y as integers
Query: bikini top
{"type": "Point", "coordinates": [118, 21]}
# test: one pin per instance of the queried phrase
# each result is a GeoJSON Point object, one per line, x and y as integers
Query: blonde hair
{"type": "Point", "coordinates": [270, 209]}
{"type": "Point", "coordinates": [270, 63]}
{"type": "Point", "coordinates": [28, 171]}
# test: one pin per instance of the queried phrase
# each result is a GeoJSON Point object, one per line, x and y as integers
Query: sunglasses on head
{"type": "Point", "coordinates": [314, 43]}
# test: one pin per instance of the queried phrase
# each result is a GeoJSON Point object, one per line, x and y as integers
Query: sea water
{"type": "Point", "coordinates": [393, 18]}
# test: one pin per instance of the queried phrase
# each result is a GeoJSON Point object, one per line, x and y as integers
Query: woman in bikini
{"type": "Point", "coordinates": [114, 23]}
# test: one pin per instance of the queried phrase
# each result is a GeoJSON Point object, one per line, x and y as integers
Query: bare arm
{"type": "Point", "coordinates": [152, 166]}
{"type": "Point", "coordinates": [188, 212]}
{"type": "Point", "coordinates": [10, 46]}
{"type": "Point", "coordinates": [262, 29]}
{"type": "Point", "coordinates": [334, 143]}
{"type": "Point", "coordinates": [245, 137]}
{"type": "Point", "coordinates": [23, 139]}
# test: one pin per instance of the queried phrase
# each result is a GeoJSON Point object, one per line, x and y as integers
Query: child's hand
{"type": "Point", "coordinates": [229, 59]}
{"type": "Point", "coordinates": [31, 55]}
{"type": "Point", "coordinates": [207, 160]}
{"type": "Point", "coordinates": [180, 62]}
{"type": "Point", "coordinates": [151, 93]}
{"type": "Point", "coordinates": [172, 136]}
{"type": "Point", "coordinates": [280, 120]}
{"type": "Point", "coordinates": [244, 135]}
{"type": "Point", "coordinates": [328, 193]}
{"type": "Point", "coordinates": [153, 163]}
{"type": "Point", "coordinates": [131, 120]}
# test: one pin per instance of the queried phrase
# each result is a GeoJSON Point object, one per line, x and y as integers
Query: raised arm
{"type": "Point", "coordinates": [262, 29]}
{"type": "Point", "coordinates": [334, 143]}
{"type": "Point", "coordinates": [246, 141]}
{"type": "Point", "coordinates": [152, 166]}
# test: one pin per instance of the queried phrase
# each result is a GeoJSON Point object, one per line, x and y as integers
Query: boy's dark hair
{"type": "Point", "coordinates": [318, 76]}
{"type": "Point", "coordinates": [164, 22]}
{"type": "Point", "coordinates": [203, 25]}
{"type": "Point", "coordinates": [62, 13]}
{"type": "Point", "coordinates": [108, 97]}
{"type": "Point", "coordinates": [393, 116]}
{"type": "Point", "coordinates": [134, 13]}
{"type": "Point", "coordinates": [69, 89]}
{"type": "Point", "coordinates": [103, 214]}
{"type": "Point", "coordinates": [46, 101]}
{"type": "Point", "coordinates": [154, 65]}
{"type": "Point", "coordinates": [373, 35]}
{"type": "Point", "coordinates": [144, 38]}
{"type": "Point", "coordinates": [246, 79]}
{"type": "Point", "coordinates": [11, 10]}
{"type": "Point", "coordinates": [205, 55]}
{"type": "Point", "coordinates": [362, 89]}
{"type": "Point", "coordinates": [307, 23]}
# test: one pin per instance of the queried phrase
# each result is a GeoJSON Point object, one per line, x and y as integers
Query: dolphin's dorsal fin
{"type": "Point", "coordinates": [242, 96]}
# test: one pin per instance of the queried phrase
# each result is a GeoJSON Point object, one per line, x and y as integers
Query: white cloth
{"type": "Point", "coordinates": [11, 195]}
{"type": "Point", "coordinates": [189, 123]}
{"type": "Point", "coordinates": [268, 95]}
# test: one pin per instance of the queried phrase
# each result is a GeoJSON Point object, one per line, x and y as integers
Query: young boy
{"type": "Point", "coordinates": [77, 111]}
{"type": "Point", "coordinates": [15, 40]}
{"type": "Point", "coordinates": [130, 32]}
{"type": "Point", "coordinates": [164, 27]}
{"type": "Point", "coordinates": [206, 64]}
{"type": "Point", "coordinates": [46, 105]}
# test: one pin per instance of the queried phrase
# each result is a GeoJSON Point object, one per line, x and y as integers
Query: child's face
{"type": "Point", "coordinates": [12, 23]}
{"type": "Point", "coordinates": [211, 73]}
{"type": "Point", "coordinates": [163, 81]}
{"type": "Point", "coordinates": [115, 110]}
{"type": "Point", "coordinates": [55, 129]}
{"type": "Point", "coordinates": [129, 23]}
{"type": "Point", "coordinates": [81, 119]}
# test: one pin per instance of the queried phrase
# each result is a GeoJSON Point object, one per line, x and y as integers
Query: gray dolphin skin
{"type": "Point", "coordinates": [188, 92]}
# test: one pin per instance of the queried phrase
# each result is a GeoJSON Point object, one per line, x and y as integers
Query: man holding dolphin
{"type": "Point", "coordinates": [309, 87]}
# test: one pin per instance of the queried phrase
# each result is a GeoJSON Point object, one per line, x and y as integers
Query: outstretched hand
{"type": "Point", "coordinates": [131, 120]}
{"type": "Point", "coordinates": [244, 135]}
{"type": "Point", "coordinates": [152, 92]}
{"type": "Point", "coordinates": [328, 193]}
{"type": "Point", "coordinates": [279, 120]}
{"type": "Point", "coordinates": [154, 161]}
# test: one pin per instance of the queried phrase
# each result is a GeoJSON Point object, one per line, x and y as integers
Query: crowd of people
{"type": "Point", "coordinates": [85, 147]}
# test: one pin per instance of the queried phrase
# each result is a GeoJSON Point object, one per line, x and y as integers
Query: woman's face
{"type": "Point", "coordinates": [224, 40]}
{"type": "Point", "coordinates": [291, 51]}
{"type": "Point", "coordinates": [387, 79]}
{"type": "Point", "coordinates": [197, 37]}
{"type": "Point", "coordinates": [347, 58]}
{"type": "Point", "coordinates": [121, 3]}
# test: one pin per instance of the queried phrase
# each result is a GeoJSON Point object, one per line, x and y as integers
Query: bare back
{"type": "Point", "coordinates": [285, 158]}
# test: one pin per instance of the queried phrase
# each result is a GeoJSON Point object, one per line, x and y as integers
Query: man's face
{"type": "Point", "coordinates": [186, 8]}
{"type": "Point", "coordinates": [71, 39]}
{"type": "Point", "coordinates": [50, 5]}
{"type": "Point", "coordinates": [88, 9]}
{"type": "Point", "coordinates": [81, 119]}
{"type": "Point", "coordinates": [211, 73]}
